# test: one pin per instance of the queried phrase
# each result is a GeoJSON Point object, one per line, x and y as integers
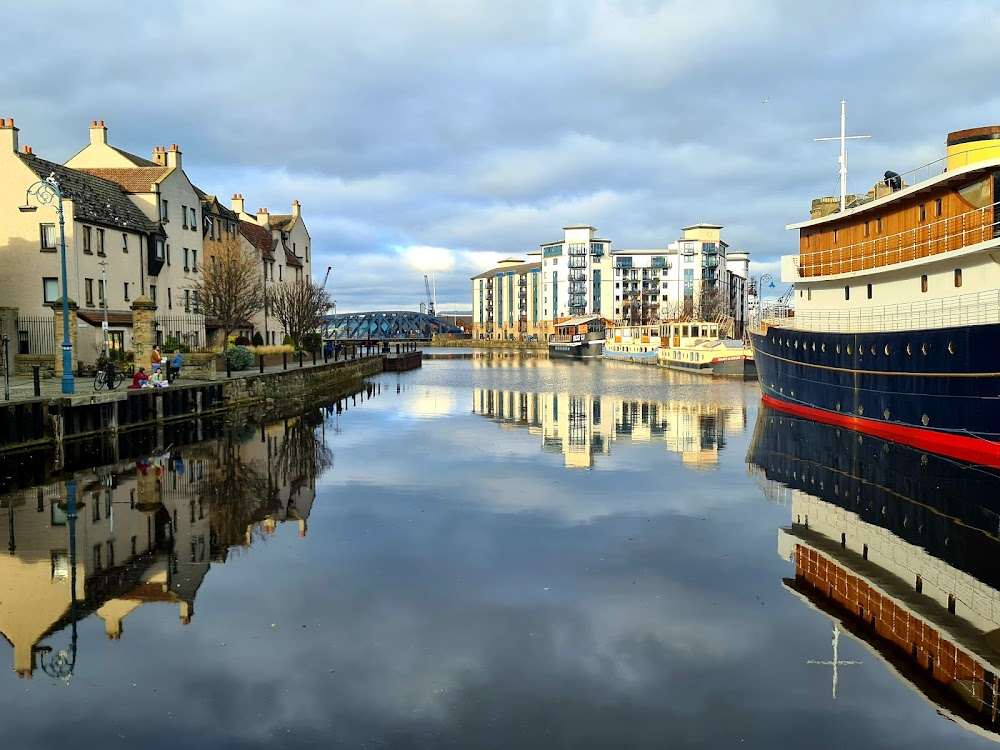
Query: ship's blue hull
{"type": "Point", "coordinates": [938, 390]}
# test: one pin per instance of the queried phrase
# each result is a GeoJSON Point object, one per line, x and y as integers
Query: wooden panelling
{"type": "Point", "coordinates": [903, 237]}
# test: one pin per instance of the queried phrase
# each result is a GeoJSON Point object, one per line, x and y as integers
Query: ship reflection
{"type": "Point", "coordinates": [899, 549]}
{"type": "Point", "coordinates": [144, 531]}
{"type": "Point", "coordinates": [584, 426]}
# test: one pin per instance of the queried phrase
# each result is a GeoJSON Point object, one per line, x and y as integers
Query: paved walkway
{"type": "Point", "coordinates": [22, 386]}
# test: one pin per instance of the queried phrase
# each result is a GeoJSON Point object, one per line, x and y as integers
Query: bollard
{"type": "Point", "coordinates": [229, 369]}
{"type": "Point", "coordinates": [284, 360]}
{"type": "Point", "coordinates": [300, 358]}
{"type": "Point", "coordinates": [397, 349]}
{"type": "Point", "coordinates": [261, 358]}
{"type": "Point", "coordinates": [314, 357]}
{"type": "Point", "coordinates": [36, 379]}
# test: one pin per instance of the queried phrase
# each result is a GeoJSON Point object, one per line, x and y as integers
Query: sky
{"type": "Point", "coordinates": [438, 137]}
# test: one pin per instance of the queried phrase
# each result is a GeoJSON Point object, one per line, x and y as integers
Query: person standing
{"type": "Point", "coordinates": [175, 366]}
{"type": "Point", "coordinates": [157, 358]}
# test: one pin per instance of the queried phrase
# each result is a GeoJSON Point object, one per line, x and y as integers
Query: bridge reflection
{"type": "Point", "coordinates": [384, 325]}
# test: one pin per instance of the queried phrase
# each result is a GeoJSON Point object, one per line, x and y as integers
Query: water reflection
{"type": "Point", "coordinates": [899, 549]}
{"type": "Point", "coordinates": [582, 426]}
{"type": "Point", "coordinates": [108, 540]}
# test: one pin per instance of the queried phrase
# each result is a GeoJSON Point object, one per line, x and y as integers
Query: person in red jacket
{"type": "Point", "coordinates": [140, 378]}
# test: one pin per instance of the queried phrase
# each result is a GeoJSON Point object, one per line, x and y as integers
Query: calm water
{"type": "Point", "coordinates": [502, 552]}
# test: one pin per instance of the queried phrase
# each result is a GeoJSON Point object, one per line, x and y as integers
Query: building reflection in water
{"type": "Point", "coordinates": [108, 540]}
{"type": "Point", "coordinates": [584, 426]}
{"type": "Point", "coordinates": [899, 549]}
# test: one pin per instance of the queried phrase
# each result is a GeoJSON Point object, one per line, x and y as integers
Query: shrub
{"type": "Point", "coordinates": [312, 342]}
{"type": "Point", "coordinates": [288, 340]}
{"type": "Point", "coordinates": [171, 343]}
{"type": "Point", "coordinates": [258, 340]}
{"type": "Point", "coordinates": [239, 357]}
{"type": "Point", "coordinates": [272, 349]}
{"type": "Point", "coordinates": [242, 341]}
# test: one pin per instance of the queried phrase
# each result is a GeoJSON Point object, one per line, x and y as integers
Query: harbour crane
{"type": "Point", "coordinates": [430, 299]}
{"type": "Point", "coordinates": [327, 277]}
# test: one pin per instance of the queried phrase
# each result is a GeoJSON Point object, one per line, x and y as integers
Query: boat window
{"type": "Point", "coordinates": [809, 294]}
{"type": "Point", "coordinates": [923, 283]}
{"type": "Point", "coordinates": [977, 194]}
{"type": "Point", "coordinates": [878, 225]}
{"type": "Point", "coordinates": [909, 350]}
{"type": "Point", "coordinates": [951, 347]}
{"type": "Point", "coordinates": [922, 212]}
{"type": "Point", "coordinates": [867, 228]}
{"type": "Point", "coordinates": [848, 348]}
{"type": "Point", "coordinates": [685, 333]}
{"type": "Point", "coordinates": [847, 292]}
{"type": "Point", "coordinates": [888, 351]}
{"type": "Point", "coordinates": [924, 348]}
{"type": "Point", "coordinates": [836, 235]}
{"type": "Point", "coordinates": [958, 277]}
{"type": "Point", "coordinates": [937, 206]}
{"type": "Point", "coordinates": [869, 291]}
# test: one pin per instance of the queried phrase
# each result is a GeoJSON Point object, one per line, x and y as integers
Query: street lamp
{"type": "Point", "coordinates": [47, 192]}
{"type": "Point", "coordinates": [104, 303]}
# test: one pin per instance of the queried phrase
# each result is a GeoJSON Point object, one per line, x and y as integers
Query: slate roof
{"type": "Point", "coordinates": [132, 179]}
{"type": "Point", "coordinates": [94, 199]}
{"type": "Point", "coordinates": [215, 204]}
{"type": "Point", "coordinates": [284, 222]}
{"type": "Point", "coordinates": [259, 237]}
{"type": "Point", "coordinates": [291, 259]}
{"type": "Point", "coordinates": [137, 160]}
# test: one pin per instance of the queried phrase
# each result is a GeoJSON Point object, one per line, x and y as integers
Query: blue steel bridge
{"type": "Point", "coordinates": [391, 325]}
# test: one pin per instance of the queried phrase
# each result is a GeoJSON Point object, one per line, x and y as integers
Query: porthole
{"type": "Point", "coordinates": [925, 420]}
{"type": "Point", "coordinates": [924, 348]}
{"type": "Point", "coordinates": [814, 346]}
{"type": "Point", "coordinates": [873, 350]}
{"type": "Point", "coordinates": [792, 394]}
{"type": "Point", "coordinates": [796, 343]}
{"type": "Point", "coordinates": [885, 415]}
{"type": "Point", "coordinates": [885, 448]}
{"type": "Point", "coordinates": [861, 411]}
{"type": "Point", "coordinates": [888, 351]}
{"type": "Point", "coordinates": [906, 521]}
{"type": "Point", "coordinates": [822, 348]}
{"type": "Point", "coordinates": [923, 459]}
{"type": "Point", "coordinates": [838, 406]}
{"type": "Point", "coordinates": [885, 511]}
{"type": "Point", "coordinates": [838, 348]}
{"type": "Point", "coordinates": [848, 349]}
{"type": "Point", "coordinates": [861, 440]}
{"type": "Point", "coordinates": [861, 351]}
{"type": "Point", "coordinates": [951, 347]}
{"type": "Point", "coordinates": [909, 350]}
{"type": "Point", "coordinates": [836, 490]}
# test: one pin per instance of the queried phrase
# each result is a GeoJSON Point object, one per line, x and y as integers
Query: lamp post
{"type": "Point", "coordinates": [104, 303]}
{"type": "Point", "coordinates": [47, 192]}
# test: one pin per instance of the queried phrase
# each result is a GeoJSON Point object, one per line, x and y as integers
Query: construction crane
{"type": "Point", "coordinates": [430, 299]}
{"type": "Point", "coordinates": [327, 277]}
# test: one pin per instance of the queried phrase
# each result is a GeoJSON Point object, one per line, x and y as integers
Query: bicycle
{"type": "Point", "coordinates": [101, 380]}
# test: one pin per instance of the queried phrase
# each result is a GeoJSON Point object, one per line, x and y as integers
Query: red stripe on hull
{"type": "Point", "coordinates": [963, 447]}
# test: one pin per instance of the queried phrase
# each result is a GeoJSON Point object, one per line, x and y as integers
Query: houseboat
{"type": "Point", "coordinates": [634, 343]}
{"type": "Point", "coordinates": [696, 346]}
{"type": "Point", "coordinates": [897, 307]}
{"type": "Point", "coordinates": [578, 338]}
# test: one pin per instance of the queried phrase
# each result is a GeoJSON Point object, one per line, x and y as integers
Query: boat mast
{"type": "Point", "coordinates": [843, 138]}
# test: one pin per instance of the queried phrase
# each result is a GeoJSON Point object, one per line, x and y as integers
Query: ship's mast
{"type": "Point", "coordinates": [843, 138]}
{"type": "Point", "coordinates": [835, 662]}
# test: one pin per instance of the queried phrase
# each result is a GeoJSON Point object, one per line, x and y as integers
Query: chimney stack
{"type": "Point", "coordinates": [174, 156]}
{"type": "Point", "coordinates": [159, 156]}
{"type": "Point", "coordinates": [8, 135]}
{"type": "Point", "coordinates": [98, 133]}
{"type": "Point", "coordinates": [263, 218]}
{"type": "Point", "coordinates": [238, 204]}
{"type": "Point", "coordinates": [296, 208]}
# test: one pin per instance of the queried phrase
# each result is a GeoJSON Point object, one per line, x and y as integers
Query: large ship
{"type": "Point", "coordinates": [896, 315]}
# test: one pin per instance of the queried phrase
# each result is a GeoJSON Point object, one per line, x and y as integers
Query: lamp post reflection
{"type": "Point", "coordinates": [61, 665]}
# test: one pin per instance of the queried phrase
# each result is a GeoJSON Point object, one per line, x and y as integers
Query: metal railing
{"type": "Point", "coordinates": [980, 308]}
{"type": "Point", "coordinates": [932, 238]}
{"type": "Point", "coordinates": [36, 335]}
{"type": "Point", "coordinates": [184, 329]}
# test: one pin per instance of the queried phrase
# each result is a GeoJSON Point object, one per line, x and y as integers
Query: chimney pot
{"type": "Point", "coordinates": [10, 122]}
{"type": "Point", "coordinates": [101, 123]}
{"type": "Point", "coordinates": [93, 123]}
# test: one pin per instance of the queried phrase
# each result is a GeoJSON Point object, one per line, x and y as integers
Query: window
{"type": "Point", "coordinates": [86, 241]}
{"type": "Point", "coordinates": [279, 273]}
{"type": "Point", "coordinates": [124, 242]}
{"type": "Point", "coordinates": [126, 291]}
{"type": "Point", "coordinates": [922, 212]}
{"type": "Point", "coordinates": [184, 217]}
{"type": "Point", "coordinates": [868, 228]}
{"type": "Point", "coordinates": [847, 292]}
{"type": "Point", "coordinates": [100, 242]}
{"type": "Point", "coordinates": [164, 210]}
{"type": "Point", "coordinates": [168, 254]}
{"type": "Point", "coordinates": [88, 291]}
{"type": "Point", "coordinates": [958, 277]}
{"type": "Point", "coordinates": [187, 300]}
{"type": "Point", "coordinates": [836, 235]}
{"type": "Point", "coordinates": [937, 206]}
{"type": "Point", "coordinates": [47, 232]}
{"type": "Point", "coordinates": [194, 259]}
{"type": "Point", "coordinates": [869, 291]}
{"type": "Point", "coordinates": [923, 283]}
{"type": "Point", "coordinates": [50, 289]}
{"type": "Point", "coordinates": [197, 302]}
{"type": "Point", "coordinates": [159, 248]}
{"type": "Point", "coordinates": [878, 225]}
{"type": "Point", "coordinates": [193, 219]}
{"type": "Point", "coordinates": [809, 294]}
{"type": "Point", "coordinates": [170, 298]}
{"type": "Point", "coordinates": [307, 253]}
{"type": "Point", "coordinates": [293, 249]}
{"type": "Point", "coordinates": [60, 566]}
{"type": "Point", "coordinates": [152, 292]}
{"type": "Point", "coordinates": [186, 266]}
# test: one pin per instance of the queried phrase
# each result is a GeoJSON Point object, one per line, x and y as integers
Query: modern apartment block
{"type": "Point", "coordinates": [696, 276]}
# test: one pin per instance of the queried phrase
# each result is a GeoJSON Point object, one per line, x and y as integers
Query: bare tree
{"type": "Point", "coordinates": [297, 305]}
{"type": "Point", "coordinates": [230, 287]}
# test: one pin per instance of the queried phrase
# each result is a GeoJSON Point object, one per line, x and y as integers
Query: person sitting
{"type": "Point", "coordinates": [157, 376]}
{"type": "Point", "coordinates": [175, 366]}
{"type": "Point", "coordinates": [140, 379]}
